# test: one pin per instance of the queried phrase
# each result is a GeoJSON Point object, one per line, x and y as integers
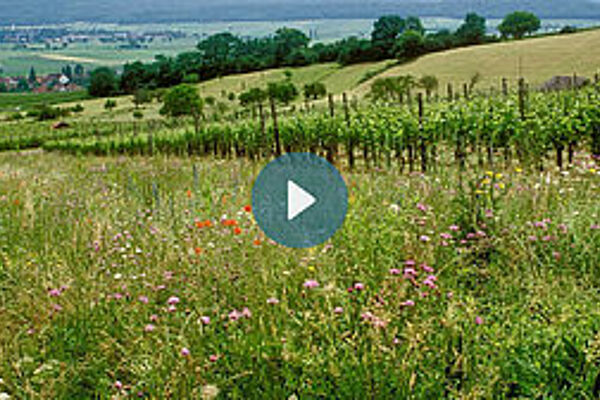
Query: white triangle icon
{"type": "Point", "coordinates": [298, 200]}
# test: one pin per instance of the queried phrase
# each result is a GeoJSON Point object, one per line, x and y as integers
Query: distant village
{"type": "Point", "coordinates": [62, 37]}
{"type": "Point", "coordinates": [68, 80]}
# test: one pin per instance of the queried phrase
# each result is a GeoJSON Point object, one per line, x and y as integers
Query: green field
{"type": "Point", "coordinates": [26, 101]}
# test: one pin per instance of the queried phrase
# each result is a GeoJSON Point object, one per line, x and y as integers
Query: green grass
{"type": "Point", "coordinates": [106, 231]}
{"type": "Point", "coordinates": [335, 77]}
{"type": "Point", "coordinates": [537, 60]}
{"type": "Point", "coordinates": [26, 101]}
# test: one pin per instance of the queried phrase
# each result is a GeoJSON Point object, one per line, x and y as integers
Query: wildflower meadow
{"type": "Point", "coordinates": [147, 277]}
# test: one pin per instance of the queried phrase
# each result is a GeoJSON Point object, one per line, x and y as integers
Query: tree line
{"type": "Point", "coordinates": [224, 53]}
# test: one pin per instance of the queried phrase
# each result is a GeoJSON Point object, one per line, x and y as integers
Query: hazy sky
{"type": "Point", "coordinates": [36, 11]}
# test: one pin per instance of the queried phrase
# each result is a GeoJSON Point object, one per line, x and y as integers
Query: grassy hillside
{"type": "Point", "coordinates": [336, 78]}
{"type": "Point", "coordinates": [536, 59]}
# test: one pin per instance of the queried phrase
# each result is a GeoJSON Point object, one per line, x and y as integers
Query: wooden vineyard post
{"type": "Point", "coordinates": [490, 143]}
{"type": "Point", "coordinates": [522, 92]}
{"type": "Point", "coordinates": [504, 87]}
{"type": "Point", "coordinates": [450, 94]}
{"type": "Point", "coordinates": [575, 87]}
{"type": "Point", "coordinates": [330, 145]}
{"type": "Point", "coordinates": [275, 128]}
{"type": "Point", "coordinates": [422, 135]}
{"type": "Point", "coordinates": [331, 105]}
{"type": "Point", "coordinates": [350, 139]}
{"type": "Point", "coordinates": [522, 97]}
{"type": "Point", "coordinates": [466, 91]}
{"type": "Point", "coordinates": [261, 116]}
{"type": "Point", "coordinates": [572, 140]}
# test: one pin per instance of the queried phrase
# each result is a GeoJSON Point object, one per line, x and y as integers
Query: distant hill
{"type": "Point", "coordinates": [38, 12]}
{"type": "Point", "coordinates": [537, 60]}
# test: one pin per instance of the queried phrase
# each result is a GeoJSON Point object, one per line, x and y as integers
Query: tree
{"type": "Point", "coordinates": [32, 76]}
{"type": "Point", "coordinates": [67, 71]}
{"type": "Point", "coordinates": [392, 88]}
{"type": "Point", "coordinates": [133, 77]}
{"type": "Point", "coordinates": [219, 51]}
{"type": "Point", "coordinates": [354, 50]}
{"type": "Point", "coordinates": [385, 32]}
{"type": "Point", "coordinates": [79, 74]}
{"type": "Point", "coordinates": [77, 108]}
{"type": "Point", "coordinates": [472, 31]}
{"type": "Point", "coordinates": [183, 100]}
{"type": "Point", "coordinates": [410, 45]}
{"type": "Point", "coordinates": [252, 96]}
{"type": "Point", "coordinates": [44, 112]}
{"type": "Point", "coordinates": [429, 83]}
{"type": "Point", "coordinates": [382, 89]}
{"type": "Point", "coordinates": [414, 24]}
{"type": "Point", "coordinates": [110, 105]}
{"type": "Point", "coordinates": [301, 57]}
{"type": "Point", "coordinates": [440, 40]}
{"type": "Point", "coordinates": [518, 24]}
{"type": "Point", "coordinates": [283, 92]}
{"type": "Point", "coordinates": [314, 90]}
{"type": "Point", "coordinates": [3, 87]}
{"type": "Point", "coordinates": [22, 85]}
{"type": "Point", "coordinates": [191, 78]}
{"type": "Point", "coordinates": [141, 96]}
{"type": "Point", "coordinates": [79, 70]}
{"type": "Point", "coordinates": [103, 82]}
{"type": "Point", "coordinates": [210, 100]}
{"type": "Point", "coordinates": [287, 40]}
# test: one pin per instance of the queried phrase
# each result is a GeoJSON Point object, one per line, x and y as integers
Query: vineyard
{"type": "Point", "coordinates": [527, 128]}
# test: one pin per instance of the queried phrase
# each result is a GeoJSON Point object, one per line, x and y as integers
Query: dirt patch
{"type": "Point", "coordinates": [62, 57]}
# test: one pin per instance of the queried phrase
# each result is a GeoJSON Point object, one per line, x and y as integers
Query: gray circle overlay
{"type": "Point", "coordinates": [314, 175]}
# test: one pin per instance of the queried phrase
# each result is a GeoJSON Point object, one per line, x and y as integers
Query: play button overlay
{"type": "Point", "coordinates": [299, 200]}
